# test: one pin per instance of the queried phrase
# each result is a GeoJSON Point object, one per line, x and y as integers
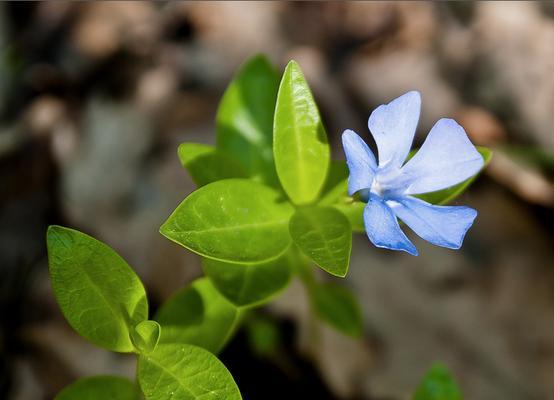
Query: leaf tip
{"type": "Point", "coordinates": [164, 230]}
{"type": "Point", "coordinates": [293, 65]}
{"type": "Point", "coordinates": [181, 152]}
{"type": "Point", "coordinates": [258, 58]}
{"type": "Point", "coordinates": [54, 229]}
{"type": "Point", "coordinates": [341, 274]}
{"type": "Point", "coordinates": [55, 232]}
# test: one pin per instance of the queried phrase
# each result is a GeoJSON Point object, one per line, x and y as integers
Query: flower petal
{"type": "Point", "coordinates": [443, 226]}
{"type": "Point", "coordinates": [446, 158]}
{"type": "Point", "coordinates": [393, 127]}
{"type": "Point", "coordinates": [382, 227]}
{"type": "Point", "coordinates": [361, 162]}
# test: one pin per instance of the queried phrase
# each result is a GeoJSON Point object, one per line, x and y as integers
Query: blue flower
{"type": "Point", "coordinates": [446, 158]}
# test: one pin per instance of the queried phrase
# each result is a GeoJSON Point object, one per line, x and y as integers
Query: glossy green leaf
{"type": "Point", "coordinates": [100, 387]}
{"type": "Point", "coordinates": [354, 212]}
{"type": "Point", "coordinates": [145, 336]}
{"type": "Point", "coordinates": [198, 315]}
{"type": "Point", "coordinates": [234, 220]}
{"type": "Point", "coordinates": [99, 294]}
{"type": "Point", "coordinates": [337, 306]}
{"type": "Point", "coordinates": [336, 184]}
{"type": "Point", "coordinates": [249, 284]}
{"type": "Point", "coordinates": [185, 372]}
{"type": "Point", "coordinates": [445, 196]}
{"type": "Point", "coordinates": [438, 384]}
{"type": "Point", "coordinates": [245, 119]}
{"type": "Point", "coordinates": [300, 143]}
{"type": "Point", "coordinates": [207, 164]}
{"type": "Point", "coordinates": [324, 235]}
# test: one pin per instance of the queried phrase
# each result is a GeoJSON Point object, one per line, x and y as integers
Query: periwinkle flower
{"type": "Point", "coordinates": [446, 158]}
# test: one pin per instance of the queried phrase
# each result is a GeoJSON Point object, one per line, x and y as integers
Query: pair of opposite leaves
{"type": "Point", "coordinates": [105, 301]}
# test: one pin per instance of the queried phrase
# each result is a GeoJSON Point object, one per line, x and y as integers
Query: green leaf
{"type": "Point", "coordinates": [438, 384]}
{"type": "Point", "coordinates": [99, 294]}
{"type": "Point", "coordinates": [445, 196]}
{"type": "Point", "coordinates": [300, 144]}
{"type": "Point", "coordinates": [234, 220]}
{"type": "Point", "coordinates": [354, 212]}
{"type": "Point", "coordinates": [336, 184]}
{"type": "Point", "coordinates": [100, 387]}
{"type": "Point", "coordinates": [198, 315]}
{"type": "Point", "coordinates": [249, 284]}
{"type": "Point", "coordinates": [145, 336]}
{"type": "Point", "coordinates": [185, 372]}
{"type": "Point", "coordinates": [337, 306]}
{"type": "Point", "coordinates": [207, 164]}
{"type": "Point", "coordinates": [245, 119]}
{"type": "Point", "coordinates": [324, 235]}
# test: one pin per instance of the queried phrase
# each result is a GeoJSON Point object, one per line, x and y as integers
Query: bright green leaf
{"type": "Point", "coordinates": [198, 315]}
{"type": "Point", "coordinates": [185, 372]}
{"type": "Point", "coordinates": [249, 284]}
{"type": "Point", "coordinates": [100, 387]}
{"type": "Point", "coordinates": [336, 184]}
{"type": "Point", "coordinates": [207, 164]}
{"type": "Point", "coordinates": [324, 235]}
{"type": "Point", "coordinates": [445, 196]}
{"type": "Point", "coordinates": [337, 306]}
{"type": "Point", "coordinates": [438, 384]}
{"type": "Point", "coordinates": [245, 119]}
{"type": "Point", "coordinates": [145, 336]}
{"type": "Point", "coordinates": [300, 143]}
{"type": "Point", "coordinates": [234, 220]}
{"type": "Point", "coordinates": [99, 294]}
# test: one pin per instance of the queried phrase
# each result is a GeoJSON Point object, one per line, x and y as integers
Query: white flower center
{"type": "Point", "coordinates": [387, 182]}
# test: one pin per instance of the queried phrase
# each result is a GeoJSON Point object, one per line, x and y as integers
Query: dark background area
{"type": "Point", "coordinates": [95, 98]}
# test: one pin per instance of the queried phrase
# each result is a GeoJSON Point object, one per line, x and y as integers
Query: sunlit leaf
{"type": "Point", "coordinates": [185, 372]}
{"type": "Point", "coordinates": [300, 143]}
{"type": "Point", "coordinates": [324, 235]}
{"type": "Point", "coordinates": [99, 294]}
{"type": "Point", "coordinates": [234, 220]}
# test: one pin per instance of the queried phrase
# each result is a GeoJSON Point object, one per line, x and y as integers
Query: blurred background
{"type": "Point", "coordinates": [96, 97]}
